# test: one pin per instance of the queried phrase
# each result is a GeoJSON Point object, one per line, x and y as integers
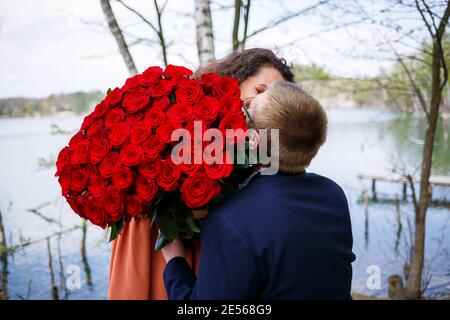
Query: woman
{"type": "Point", "coordinates": [136, 269]}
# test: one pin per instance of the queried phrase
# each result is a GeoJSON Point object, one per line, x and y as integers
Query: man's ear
{"type": "Point", "coordinates": [253, 140]}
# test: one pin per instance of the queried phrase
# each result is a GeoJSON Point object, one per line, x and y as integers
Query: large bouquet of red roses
{"type": "Point", "coordinates": [120, 164]}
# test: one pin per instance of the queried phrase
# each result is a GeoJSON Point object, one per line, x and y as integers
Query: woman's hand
{"type": "Point", "coordinates": [173, 249]}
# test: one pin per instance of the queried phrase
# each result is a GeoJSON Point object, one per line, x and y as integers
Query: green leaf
{"type": "Point", "coordinates": [161, 241]}
{"type": "Point", "coordinates": [108, 91]}
{"type": "Point", "coordinates": [167, 225]}
{"type": "Point", "coordinates": [172, 98]}
{"type": "Point", "coordinates": [116, 229]}
{"type": "Point", "coordinates": [185, 232]}
{"type": "Point", "coordinates": [153, 214]}
{"type": "Point", "coordinates": [191, 223]}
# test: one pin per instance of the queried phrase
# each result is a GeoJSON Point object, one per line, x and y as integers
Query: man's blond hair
{"type": "Point", "coordinates": [300, 119]}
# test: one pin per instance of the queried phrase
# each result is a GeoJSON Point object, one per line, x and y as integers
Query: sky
{"type": "Point", "coordinates": [60, 46]}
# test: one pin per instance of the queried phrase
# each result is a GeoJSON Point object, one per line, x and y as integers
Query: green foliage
{"type": "Point", "coordinates": [77, 103]}
{"type": "Point", "coordinates": [392, 89]}
{"type": "Point", "coordinates": [310, 72]}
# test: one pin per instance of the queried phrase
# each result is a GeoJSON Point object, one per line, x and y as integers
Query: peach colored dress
{"type": "Point", "coordinates": [136, 269]}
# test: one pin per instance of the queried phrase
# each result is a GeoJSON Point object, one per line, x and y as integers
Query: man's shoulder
{"type": "Point", "coordinates": [267, 193]}
{"type": "Point", "coordinates": [325, 181]}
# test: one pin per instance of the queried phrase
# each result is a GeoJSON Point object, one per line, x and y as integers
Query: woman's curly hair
{"type": "Point", "coordinates": [246, 63]}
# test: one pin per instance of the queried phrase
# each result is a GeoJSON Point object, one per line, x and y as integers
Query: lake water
{"type": "Point", "coordinates": [359, 140]}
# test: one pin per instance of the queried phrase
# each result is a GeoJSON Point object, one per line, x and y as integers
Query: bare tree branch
{"type": "Point", "coordinates": [117, 33]}
{"type": "Point", "coordinates": [287, 18]}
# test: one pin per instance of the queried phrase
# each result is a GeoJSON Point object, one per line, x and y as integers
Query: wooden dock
{"type": "Point", "coordinates": [441, 181]}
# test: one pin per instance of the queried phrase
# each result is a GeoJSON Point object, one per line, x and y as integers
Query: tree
{"type": "Point", "coordinates": [205, 35]}
{"type": "Point", "coordinates": [158, 29]}
{"type": "Point", "coordinates": [439, 76]}
{"type": "Point", "coordinates": [117, 33]}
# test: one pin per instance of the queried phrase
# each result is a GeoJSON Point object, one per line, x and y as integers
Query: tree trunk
{"type": "Point", "coordinates": [237, 19]}
{"type": "Point", "coordinates": [241, 46]}
{"type": "Point", "coordinates": [414, 288]}
{"type": "Point", "coordinates": [160, 32]}
{"type": "Point", "coordinates": [117, 33]}
{"type": "Point", "coordinates": [205, 35]}
{"type": "Point", "coordinates": [3, 262]}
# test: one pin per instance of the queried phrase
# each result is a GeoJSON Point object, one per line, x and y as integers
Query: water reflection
{"type": "Point", "coordinates": [53, 287]}
{"type": "Point", "coordinates": [4, 261]}
{"type": "Point", "coordinates": [87, 268]}
{"type": "Point", "coordinates": [358, 141]}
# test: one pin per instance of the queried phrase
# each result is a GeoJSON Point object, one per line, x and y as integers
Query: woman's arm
{"type": "Point", "coordinates": [227, 265]}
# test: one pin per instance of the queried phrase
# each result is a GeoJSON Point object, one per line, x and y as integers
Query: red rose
{"type": "Point", "coordinates": [150, 167]}
{"type": "Point", "coordinates": [94, 211]}
{"type": "Point", "coordinates": [78, 179]}
{"type": "Point", "coordinates": [154, 116]}
{"type": "Point", "coordinates": [76, 206]}
{"type": "Point", "coordinates": [198, 189]}
{"type": "Point", "coordinates": [79, 152]}
{"type": "Point", "coordinates": [64, 181]}
{"type": "Point", "coordinates": [165, 131]}
{"type": "Point", "coordinates": [132, 83]}
{"type": "Point", "coordinates": [230, 104]}
{"type": "Point", "coordinates": [160, 88]}
{"type": "Point", "coordinates": [123, 178]}
{"type": "Point", "coordinates": [77, 137]}
{"type": "Point", "coordinates": [174, 71]}
{"type": "Point", "coordinates": [133, 206]}
{"type": "Point", "coordinates": [110, 164]}
{"type": "Point", "coordinates": [112, 203]}
{"type": "Point", "coordinates": [132, 119]}
{"type": "Point", "coordinates": [96, 129]}
{"type": "Point", "coordinates": [163, 103]}
{"type": "Point", "coordinates": [233, 121]}
{"type": "Point", "coordinates": [150, 76]}
{"type": "Point", "coordinates": [219, 169]}
{"type": "Point", "coordinates": [227, 86]}
{"type": "Point", "coordinates": [178, 80]}
{"type": "Point", "coordinates": [131, 155]}
{"type": "Point", "coordinates": [99, 148]}
{"type": "Point", "coordinates": [136, 100]}
{"type": "Point", "coordinates": [206, 109]}
{"type": "Point", "coordinates": [114, 98]}
{"type": "Point", "coordinates": [100, 109]}
{"type": "Point", "coordinates": [119, 133]}
{"type": "Point", "coordinates": [189, 92]}
{"type": "Point", "coordinates": [63, 160]}
{"type": "Point", "coordinates": [97, 184]}
{"type": "Point", "coordinates": [140, 131]}
{"type": "Point", "coordinates": [87, 121]}
{"type": "Point", "coordinates": [189, 168]}
{"type": "Point", "coordinates": [146, 190]}
{"type": "Point", "coordinates": [209, 79]}
{"type": "Point", "coordinates": [152, 145]}
{"type": "Point", "coordinates": [180, 113]}
{"type": "Point", "coordinates": [169, 175]}
{"type": "Point", "coordinates": [114, 116]}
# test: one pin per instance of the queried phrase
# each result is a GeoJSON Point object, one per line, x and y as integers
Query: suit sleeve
{"type": "Point", "coordinates": [227, 266]}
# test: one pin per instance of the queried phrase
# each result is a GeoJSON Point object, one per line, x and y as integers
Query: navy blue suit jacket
{"type": "Point", "coordinates": [281, 237]}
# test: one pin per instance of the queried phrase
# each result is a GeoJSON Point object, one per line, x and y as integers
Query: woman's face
{"type": "Point", "coordinates": [258, 83]}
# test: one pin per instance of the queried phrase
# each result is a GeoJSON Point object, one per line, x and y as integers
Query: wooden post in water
{"type": "Point", "coordinates": [366, 219]}
{"type": "Point", "coordinates": [4, 262]}
{"type": "Point", "coordinates": [405, 185]}
{"type": "Point", "coordinates": [374, 191]}
{"type": "Point", "coordinates": [54, 289]}
{"type": "Point", "coordinates": [84, 259]}
{"type": "Point", "coordinates": [399, 225]}
{"type": "Point", "coordinates": [396, 290]}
